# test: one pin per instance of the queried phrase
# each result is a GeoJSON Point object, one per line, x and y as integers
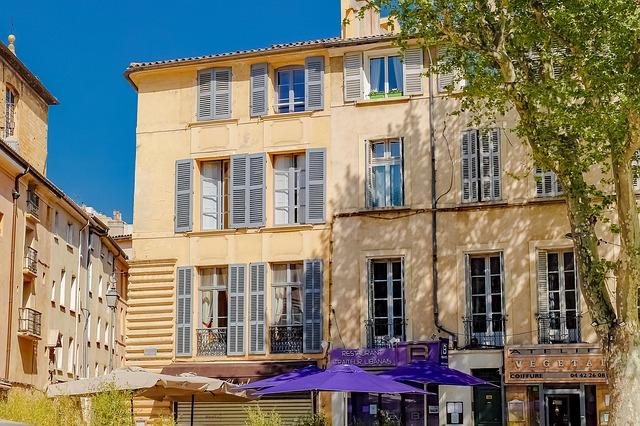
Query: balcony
{"type": "Point", "coordinates": [30, 262]}
{"type": "Point", "coordinates": [482, 332]}
{"type": "Point", "coordinates": [554, 328]}
{"type": "Point", "coordinates": [379, 340]}
{"type": "Point", "coordinates": [29, 323]}
{"type": "Point", "coordinates": [212, 341]}
{"type": "Point", "coordinates": [33, 204]}
{"type": "Point", "coordinates": [286, 339]}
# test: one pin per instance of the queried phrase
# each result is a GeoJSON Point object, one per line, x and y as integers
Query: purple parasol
{"type": "Point", "coordinates": [282, 378]}
{"type": "Point", "coordinates": [432, 373]}
{"type": "Point", "coordinates": [342, 378]}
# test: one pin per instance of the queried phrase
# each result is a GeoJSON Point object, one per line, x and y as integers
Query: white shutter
{"type": "Point", "coordinates": [490, 165]}
{"type": "Point", "coordinates": [259, 89]}
{"type": "Point", "coordinates": [257, 190]}
{"type": "Point", "coordinates": [257, 301]}
{"type": "Point", "coordinates": [222, 93]}
{"type": "Point", "coordinates": [312, 328]}
{"type": "Point", "coordinates": [445, 79]}
{"type": "Point", "coordinates": [469, 146]}
{"type": "Point", "coordinates": [314, 83]}
{"type": "Point", "coordinates": [543, 283]}
{"type": "Point", "coordinates": [238, 191]}
{"type": "Point", "coordinates": [184, 196]}
{"type": "Point", "coordinates": [369, 176]}
{"type": "Point", "coordinates": [184, 297]}
{"type": "Point", "coordinates": [353, 76]}
{"type": "Point", "coordinates": [235, 321]}
{"type": "Point", "coordinates": [212, 197]}
{"type": "Point", "coordinates": [413, 69]}
{"type": "Point", "coordinates": [316, 187]}
{"type": "Point", "coordinates": [205, 94]}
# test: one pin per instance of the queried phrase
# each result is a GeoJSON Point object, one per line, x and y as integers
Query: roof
{"type": "Point", "coordinates": [275, 48]}
{"type": "Point", "coordinates": [33, 81]}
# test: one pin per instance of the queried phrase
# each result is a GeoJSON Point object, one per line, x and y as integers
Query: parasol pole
{"type": "Point", "coordinates": [426, 405]}
{"type": "Point", "coordinates": [193, 397]}
{"type": "Point", "coordinates": [133, 421]}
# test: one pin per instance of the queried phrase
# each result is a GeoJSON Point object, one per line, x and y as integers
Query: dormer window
{"type": "Point", "coordinates": [10, 102]}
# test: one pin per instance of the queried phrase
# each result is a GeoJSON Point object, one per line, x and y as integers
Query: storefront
{"type": "Point", "coordinates": [409, 410]}
{"type": "Point", "coordinates": [556, 385]}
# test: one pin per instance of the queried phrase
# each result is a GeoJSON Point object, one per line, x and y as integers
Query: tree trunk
{"type": "Point", "coordinates": [622, 356]}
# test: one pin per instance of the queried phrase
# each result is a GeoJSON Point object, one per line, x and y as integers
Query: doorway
{"type": "Point", "coordinates": [563, 407]}
{"type": "Point", "coordinates": [487, 400]}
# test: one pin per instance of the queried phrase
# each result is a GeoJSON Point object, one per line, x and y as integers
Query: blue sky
{"type": "Point", "coordinates": [79, 49]}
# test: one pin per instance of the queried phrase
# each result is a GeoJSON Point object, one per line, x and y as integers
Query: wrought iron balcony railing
{"type": "Point", "coordinates": [31, 260]}
{"type": "Point", "coordinates": [212, 341]}
{"type": "Point", "coordinates": [376, 339]}
{"type": "Point", "coordinates": [554, 328]}
{"type": "Point", "coordinates": [29, 322]}
{"type": "Point", "coordinates": [33, 203]}
{"type": "Point", "coordinates": [286, 339]}
{"type": "Point", "coordinates": [483, 332]}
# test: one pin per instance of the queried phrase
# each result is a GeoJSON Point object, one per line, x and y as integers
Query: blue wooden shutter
{"type": "Point", "coordinates": [205, 94]}
{"type": "Point", "coordinates": [221, 93]}
{"type": "Point", "coordinates": [413, 64]}
{"type": "Point", "coordinates": [314, 83]}
{"type": "Point", "coordinates": [259, 90]}
{"type": "Point", "coordinates": [257, 190]}
{"type": "Point", "coordinates": [184, 196]}
{"type": "Point", "coordinates": [353, 76]}
{"type": "Point", "coordinates": [312, 329]}
{"type": "Point", "coordinates": [315, 168]}
{"type": "Point", "coordinates": [257, 301]}
{"type": "Point", "coordinates": [238, 192]}
{"type": "Point", "coordinates": [184, 307]}
{"type": "Point", "coordinates": [235, 327]}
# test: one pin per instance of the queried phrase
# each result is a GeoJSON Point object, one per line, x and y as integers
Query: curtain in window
{"type": "Point", "coordinates": [395, 73]}
{"type": "Point", "coordinates": [377, 75]}
{"type": "Point", "coordinates": [280, 296]}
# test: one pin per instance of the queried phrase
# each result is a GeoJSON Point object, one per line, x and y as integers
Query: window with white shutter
{"type": "Point", "coordinates": [214, 94]}
{"type": "Point", "coordinates": [312, 309]}
{"type": "Point", "coordinates": [289, 189]}
{"type": "Point", "coordinates": [547, 183]}
{"type": "Point", "coordinates": [314, 83]}
{"type": "Point", "coordinates": [257, 303]}
{"type": "Point", "coordinates": [184, 309]}
{"type": "Point", "coordinates": [248, 186]}
{"type": "Point", "coordinates": [353, 76]}
{"type": "Point", "coordinates": [184, 196]}
{"type": "Point", "coordinates": [481, 165]}
{"type": "Point", "coordinates": [235, 329]}
{"type": "Point", "coordinates": [214, 207]}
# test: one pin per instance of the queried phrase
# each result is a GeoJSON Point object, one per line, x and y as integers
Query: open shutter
{"type": "Point", "coordinates": [353, 76]}
{"type": "Point", "coordinates": [312, 329]}
{"type": "Point", "coordinates": [314, 83]}
{"type": "Point", "coordinates": [413, 68]}
{"type": "Point", "coordinates": [496, 165]}
{"type": "Point", "coordinates": [184, 298]}
{"type": "Point", "coordinates": [235, 332]}
{"type": "Point", "coordinates": [257, 190]}
{"type": "Point", "coordinates": [222, 92]}
{"type": "Point", "coordinates": [469, 166]}
{"type": "Point", "coordinates": [212, 196]}
{"type": "Point", "coordinates": [543, 292]}
{"type": "Point", "coordinates": [184, 196]}
{"type": "Point", "coordinates": [257, 301]}
{"type": "Point", "coordinates": [490, 170]}
{"type": "Point", "coordinates": [239, 196]}
{"type": "Point", "coordinates": [316, 191]}
{"type": "Point", "coordinates": [369, 176]}
{"type": "Point", "coordinates": [205, 94]}
{"type": "Point", "coordinates": [259, 90]}
{"type": "Point", "coordinates": [445, 79]}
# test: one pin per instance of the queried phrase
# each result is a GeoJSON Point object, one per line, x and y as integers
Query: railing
{"type": "Point", "coordinates": [29, 321]}
{"type": "Point", "coordinates": [212, 341]}
{"type": "Point", "coordinates": [559, 328]}
{"type": "Point", "coordinates": [31, 260]}
{"type": "Point", "coordinates": [483, 332]}
{"type": "Point", "coordinates": [286, 339]}
{"type": "Point", "coordinates": [379, 341]}
{"type": "Point", "coordinates": [33, 203]}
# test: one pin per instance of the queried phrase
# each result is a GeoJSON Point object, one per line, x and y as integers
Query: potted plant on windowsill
{"type": "Point", "coordinates": [394, 93]}
{"type": "Point", "coordinates": [376, 95]}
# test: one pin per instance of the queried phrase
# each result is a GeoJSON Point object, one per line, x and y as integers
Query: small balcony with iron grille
{"type": "Point", "coordinates": [30, 267]}
{"type": "Point", "coordinates": [286, 339]}
{"type": "Point", "coordinates": [29, 324]}
{"type": "Point", "coordinates": [380, 339]}
{"type": "Point", "coordinates": [482, 332]}
{"type": "Point", "coordinates": [212, 341]}
{"type": "Point", "coordinates": [33, 205]}
{"type": "Point", "coordinates": [555, 328]}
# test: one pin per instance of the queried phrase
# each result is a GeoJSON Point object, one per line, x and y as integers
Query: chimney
{"type": "Point", "coordinates": [355, 26]}
{"type": "Point", "coordinates": [12, 46]}
{"type": "Point", "coordinates": [117, 215]}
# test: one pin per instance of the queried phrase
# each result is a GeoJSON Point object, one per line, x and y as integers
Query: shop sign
{"type": "Point", "coordinates": [403, 353]}
{"type": "Point", "coordinates": [578, 363]}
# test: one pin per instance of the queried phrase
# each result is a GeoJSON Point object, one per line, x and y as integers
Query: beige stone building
{"type": "Point", "coordinates": [56, 260]}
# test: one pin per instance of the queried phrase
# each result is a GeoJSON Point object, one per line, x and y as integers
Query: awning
{"type": "Point", "coordinates": [426, 372]}
{"type": "Point", "coordinates": [238, 372]}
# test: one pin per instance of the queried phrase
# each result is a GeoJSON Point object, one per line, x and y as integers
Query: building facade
{"type": "Point", "coordinates": [48, 264]}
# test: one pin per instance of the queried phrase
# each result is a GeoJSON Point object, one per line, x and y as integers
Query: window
{"type": "Point", "coordinates": [289, 189]}
{"type": "Point", "coordinates": [106, 334]}
{"type": "Point", "coordinates": [287, 294]}
{"type": "Point", "coordinates": [481, 165]}
{"type": "Point", "coordinates": [53, 291]}
{"type": "Point", "coordinates": [547, 184]}
{"type": "Point", "coordinates": [100, 284]}
{"type": "Point", "coordinates": [63, 287]}
{"type": "Point", "coordinates": [96, 370]}
{"type": "Point", "coordinates": [70, 357]}
{"type": "Point", "coordinates": [290, 90]}
{"type": "Point", "coordinates": [215, 204]}
{"type": "Point", "coordinates": [56, 224]}
{"type": "Point", "coordinates": [385, 76]}
{"type": "Point", "coordinates": [98, 330]}
{"type": "Point", "coordinates": [213, 298]}
{"type": "Point", "coordinates": [214, 94]}
{"type": "Point", "coordinates": [90, 277]}
{"type": "Point", "coordinates": [60, 355]}
{"type": "Point", "coordinates": [485, 323]}
{"type": "Point", "coordinates": [386, 301]}
{"type": "Point", "coordinates": [385, 174]}
{"type": "Point", "coordinates": [74, 295]}
{"type": "Point", "coordinates": [69, 237]}
{"type": "Point", "coordinates": [10, 102]}
{"type": "Point", "coordinates": [89, 327]}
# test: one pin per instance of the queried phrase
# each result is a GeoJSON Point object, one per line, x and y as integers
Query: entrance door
{"type": "Point", "coordinates": [487, 406]}
{"type": "Point", "coordinates": [563, 409]}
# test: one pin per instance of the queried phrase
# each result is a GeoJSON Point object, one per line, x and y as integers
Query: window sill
{"type": "Point", "coordinates": [286, 115]}
{"type": "Point", "coordinates": [398, 209]}
{"type": "Point", "coordinates": [217, 122]}
{"type": "Point", "coordinates": [211, 232]}
{"type": "Point", "coordinates": [287, 228]}
{"type": "Point", "coordinates": [393, 100]}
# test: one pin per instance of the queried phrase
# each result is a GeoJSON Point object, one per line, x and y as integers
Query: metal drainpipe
{"type": "Point", "coordinates": [434, 214]}
{"type": "Point", "coordinates": [12, 269]}
{"type": "Point", "coordinates": [78, 301]}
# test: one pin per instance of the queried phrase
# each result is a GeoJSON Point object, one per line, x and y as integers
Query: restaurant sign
{"type": "Point", "coordinates": [578, 363]}
{"type": "Point", "coordinates": [403, 353]}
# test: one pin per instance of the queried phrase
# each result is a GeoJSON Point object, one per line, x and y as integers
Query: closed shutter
{"type": "Point", "coordinates": [212, 197]}
{"type": "Point", "coordinates": [490, 170]}
{"type": "Point", "coordinates": [257, 300]}
{"type": "Point", "coordinates": [316, 187]}
{"type": "Point", "coordinates": [445, 79]}
{"type": "Point", "coordinates": [257, 190]}
{"type": "Point", "coordinates": [547, 184]}
{"type": "Point", "coordinates": [239, 196]}
{"type": "Point", "coordinates": [184, 297]}
{"type": "Point", "coordinates": [369, 176]}
{"type": "Point", "coordinates": [353, 76]}
{"type": "Point", "coordinates": [222, 92]}
{"type": "Point", "coordinates": [312, 306]}
{"type": "Point", "coordinates": [205, 94]}
{"type": "Point", "coordinates": [259, 90]}
{"type": "Point", "coordinates": [184, 196]}
{"type": "Point", "coordinates": [496, 164]}
{"type": "Point", "coordinates": [235, 332]}
{"type": "Point", "coordinates": [469, 166]}
{"type": "Point", "coordinates": [314, 83]}
{"type": "Point", "coordinates": [413, 68]}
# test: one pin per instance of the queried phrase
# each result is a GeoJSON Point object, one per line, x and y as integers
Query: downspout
{"type": "Point", "coordinates": [12, 268]}
{"type": "Point", "coordinates": [78, 292]}
{"type": "Point", "coordinates": [434, 214]}
{"type": "Point", "coordinates": [85, 352]}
